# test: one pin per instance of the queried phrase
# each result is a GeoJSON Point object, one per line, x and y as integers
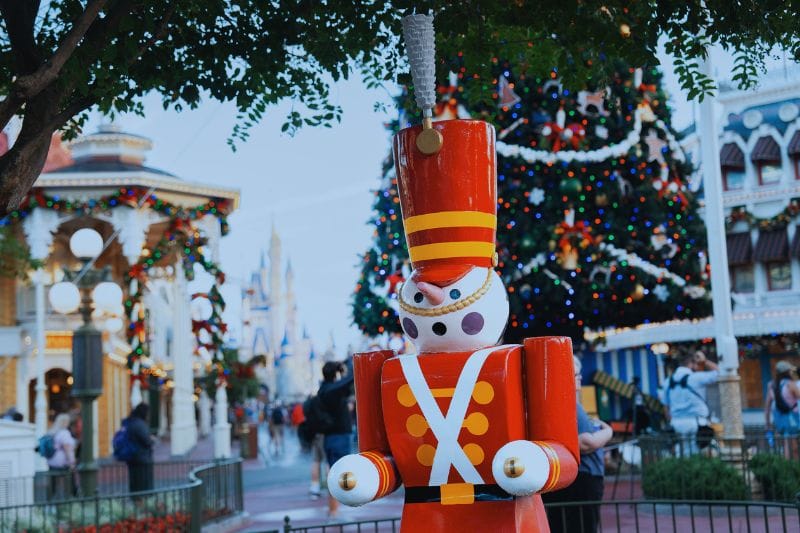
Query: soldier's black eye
{"type": "Point", "coordinates": [418, 297]}
{"type": "Point", "coordinates": [455, 294]}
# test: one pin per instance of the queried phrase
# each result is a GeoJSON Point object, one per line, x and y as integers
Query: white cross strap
{"type": "Point", "coordinates": [446, 429]}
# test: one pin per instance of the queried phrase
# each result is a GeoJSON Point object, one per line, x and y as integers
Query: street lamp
{"type": "Point", "coordinates": [87, 347]}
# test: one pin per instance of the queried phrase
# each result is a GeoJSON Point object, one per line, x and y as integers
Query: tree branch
{"type": "Point", "coordinates": [20, 19]}
{"type": "Point", "coordinates": [159, 34]}
{"type": "Point", "coordinates": [33, 83]}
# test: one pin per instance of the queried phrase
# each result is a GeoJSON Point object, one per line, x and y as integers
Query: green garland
{"type": "Point", "coordinates": [180, 237]}
{"type": "Point", "coordinates": [779, 221]}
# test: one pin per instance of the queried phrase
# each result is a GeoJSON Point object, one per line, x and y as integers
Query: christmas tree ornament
{"type": "Point", "coordinates": [601, 199]}
{"type": "Point", "coordinates": [536, 196]}
{"type": "Point", "coordinates": [638, 292]}
{"type": "Point", "coordinates": [661, 292]}
{"type": "Point", "coordinates": [655, 147]}
{"type": "Point", "coordinates": [570, 187]}
{"type": "Point", "coordinates": [625, 30]}
{"type": "Point", "coordinates": [505, 92]}
{"type": "Point", "coordinates": [592, 104]}
{"type": "Point", "coordinates": [515, 403]}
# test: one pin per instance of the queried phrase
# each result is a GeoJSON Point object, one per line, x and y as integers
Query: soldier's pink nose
{"type": "Point", "coordinates": [434, 294]}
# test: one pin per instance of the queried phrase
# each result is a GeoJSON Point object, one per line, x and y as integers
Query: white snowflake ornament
{"type": "Point", "coordinates": [536, 196]}
{"type": "Point", "coordinates": [661, 292]}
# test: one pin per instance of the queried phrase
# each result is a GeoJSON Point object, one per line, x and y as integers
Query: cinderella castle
{"type": "Point", "coordinates": [269, 329]}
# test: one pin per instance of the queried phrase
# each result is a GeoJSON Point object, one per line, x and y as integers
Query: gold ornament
{"type": "Point", "coordinates": [347, 481]}
{"type": "Point", "coordinates": [638, 292]}
{"type": "Point", "coordinates": [513, 468]}
{"type": "Point", "coordinates": [625, 30]}
{"type": "Point", "coordinates": [429, 140]}
{"type": "Point", "coordinates": [601, 199]}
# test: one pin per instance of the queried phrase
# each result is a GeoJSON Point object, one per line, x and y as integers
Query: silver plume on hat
{"type": "Point", "coordinates": [420, 47]}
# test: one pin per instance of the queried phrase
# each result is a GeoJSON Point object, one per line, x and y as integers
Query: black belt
{"type": "Point", "coordinates": [483, 493]}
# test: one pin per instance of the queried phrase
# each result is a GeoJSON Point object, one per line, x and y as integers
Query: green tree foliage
{"type": "Point", "coordinates": [62, 57]}
{"type": "Point", "coordinates": [15, 259]}
{"type": "Point", "coordinates": [633, 253]}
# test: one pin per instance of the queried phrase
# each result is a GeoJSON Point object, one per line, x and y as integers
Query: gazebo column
{"type": "Point", "coordinates": [183, 431]}
{"type": "Point", "coordinates": [222, 428]}
{"type": "Point", "coordinates": [205, 413]}
{"type": "Point", "coordinates": [39, 227]}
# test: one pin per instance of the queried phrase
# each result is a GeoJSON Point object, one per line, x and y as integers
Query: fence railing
{"type": "Point", "coordinates": [758, 467]}
{"type": "Point", "coordinates": [206, 494]}
{"type": "Point", "coordinates": [663, 516]}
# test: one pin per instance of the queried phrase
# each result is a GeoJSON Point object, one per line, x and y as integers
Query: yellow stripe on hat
{"type": "Point", "coordinates": [447, 250]}
{"type": "Point", "coordinates": [450, 219]}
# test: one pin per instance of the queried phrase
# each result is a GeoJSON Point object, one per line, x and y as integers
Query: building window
{"type": "Point", "coordinates": [779, 276]}
{"type": "Point", "coordinates": [733, 178]}
{"type": "Point", "coordinates": [731, 158]}
{"type": "Point", "coordinates": [742, 279]}
{"type": "Point", "coordinates": [766, 156]}
{"type": "Point", "coordinates": [769, 173]}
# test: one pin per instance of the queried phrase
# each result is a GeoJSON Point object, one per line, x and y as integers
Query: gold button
{"type": "Point", "coordinates": [405, 396]}
{"type": "Point", "coordinates": [416, 425]}
{"type": "Point", "coordinates": [483, 393]}
{"type": "Point", "coordinates": [477, 424]}
{"type": "Point", "coordinates": [475, 453]}
{"type": "Point", "coordinates": [347, 481]}
{"type": "Point", "coordinates": [425, 454]}
{"type": "Point", "coordinates": [513, 467]}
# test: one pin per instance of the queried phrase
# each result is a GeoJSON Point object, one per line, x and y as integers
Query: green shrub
{"type": "Point", "coordinates": [779, 477]}
{"type": "Point", "coordinates": [693, 478]}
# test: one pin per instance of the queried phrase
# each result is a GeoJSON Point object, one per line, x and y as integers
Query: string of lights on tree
{"type": "Point", "coordinates": [596, 225]}
{"type": "Point", "coordinates": [180, 238]}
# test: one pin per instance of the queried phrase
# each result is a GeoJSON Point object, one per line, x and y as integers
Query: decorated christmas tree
{"type": "Point", "coordinates": [597, 227]}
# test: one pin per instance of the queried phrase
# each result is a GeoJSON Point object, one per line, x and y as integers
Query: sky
{"type": "Point", "coordinates": [316, 188]}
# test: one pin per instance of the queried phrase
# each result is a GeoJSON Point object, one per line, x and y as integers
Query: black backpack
{"type": "Point", "coordinates": [318, 418]}
{"type": "Point", "coordinates": [780, 401]}
{"type": "Point", "coordinates": [277, 416]}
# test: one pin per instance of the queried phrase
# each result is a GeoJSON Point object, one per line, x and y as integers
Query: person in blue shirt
{"type": "Point", "coordinates": [685, 397]}
{"type": "Point", "coordinates": [588, 485]}
{"type": "Point", "coordinates": [335, 392]}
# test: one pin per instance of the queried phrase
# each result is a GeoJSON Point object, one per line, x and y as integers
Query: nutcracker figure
{"type": "Point", "coordinates": [473, 430]}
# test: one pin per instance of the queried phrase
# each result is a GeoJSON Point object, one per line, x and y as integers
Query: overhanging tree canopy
{"type": "Point", "coordinates": [60, 58]}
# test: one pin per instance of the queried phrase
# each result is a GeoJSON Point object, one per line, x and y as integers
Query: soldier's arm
{"type": "Point", "coordinates": [370, 474]}
{"type": "Point", "coordinates": [549, 459]}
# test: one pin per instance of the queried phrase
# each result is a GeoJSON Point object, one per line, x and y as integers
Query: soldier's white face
{"type": "Point", "coordinates": [477, 325]}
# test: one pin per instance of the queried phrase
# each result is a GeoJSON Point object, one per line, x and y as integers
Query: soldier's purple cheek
{"type": "Point", "coordinates": [410, 328]}
{"type": "Point", "coordinates": [472, 323]}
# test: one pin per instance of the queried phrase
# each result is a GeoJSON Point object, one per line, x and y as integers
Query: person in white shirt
{"type": "Point", "coordinates": [685, 397]}
{"type": "Point", "coordinates": [63, 461]}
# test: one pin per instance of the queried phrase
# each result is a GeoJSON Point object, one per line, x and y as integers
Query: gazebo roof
{"type": "Point", "coordinates": [110, 159]}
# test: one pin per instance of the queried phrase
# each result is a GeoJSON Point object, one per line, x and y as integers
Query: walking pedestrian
{"type": "Point", "coordinates": [277, 421]}
{"type": "Point", "coordinates": [140, 464]}
{"type": "Point", "coordinates": [62, 462]}
{"type": "Point", "coordinates": [335, 392]}
{"type": "Point", "coordinates": [588, 485]}
{"type": "Point", "coordinates": [685, 398]}
{"type": "Point", "coordinates": [781, 406]}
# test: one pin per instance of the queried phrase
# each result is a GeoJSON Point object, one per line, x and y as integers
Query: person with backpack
{"type": "Point", "coordinates": [133, 445]}
{"type": "Point", "coordinates": [334, 394]}
{"type": "Point", "coordinates": [58, 447]}
{"type": "Point", "coordinates": [276, 423]}
{"type": "Point", "coordinates": [781, 406]}
{"type": "Point", "coordinates": [685, 398]}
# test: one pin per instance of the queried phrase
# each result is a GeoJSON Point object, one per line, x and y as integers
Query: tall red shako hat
{"type": "Point", "coordinates": [446, 177]}
{"type": "Point", "coordinates": [448, 199]}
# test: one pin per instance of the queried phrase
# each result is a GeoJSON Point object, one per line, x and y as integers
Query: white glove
{"type": "Point", "coordinates": [353, 480]}
{"type": "Point", "coordinates": [525, 472]}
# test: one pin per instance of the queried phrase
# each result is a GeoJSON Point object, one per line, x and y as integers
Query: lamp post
{"type": "Point", "coordinates": [87, 348]}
